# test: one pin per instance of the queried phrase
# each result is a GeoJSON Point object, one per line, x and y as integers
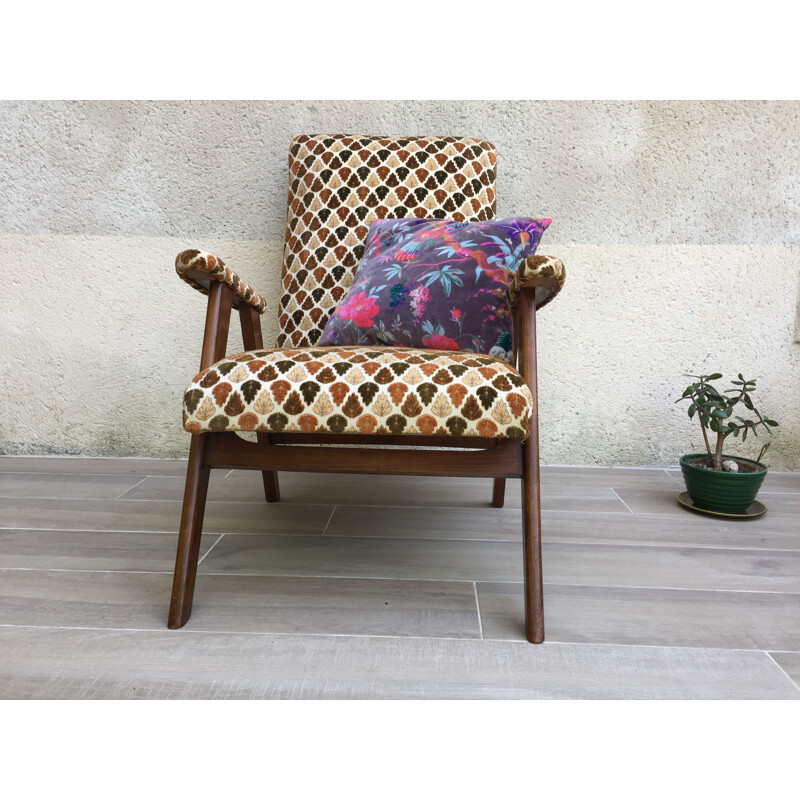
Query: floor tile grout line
{"type": "Point", "coordinates": [294, 575]}
{"type": "Point", "coordinates": [637, 645]}
{"type": "Point", "coordinates": [462, 580]}
{"type": "Point", "coordinates": [790, 678]}
{"type": "Point", "coordinates": [557, 540]}
{"type": "Point", "coordinates": [759, 650]}
{"type": "Point", "coordinates": [131, 488]}
{"type": "Point", "coordinates": [66, 458]}
{"type": "Point", "coordinates": [67, 473]}
{"type": "Point", "coordinates": [547, 540]}
{"type": "Point", "coordinates": [212, 632]}
{"type": "Point", "coordinates": [210, 549]}
{"type": "Point", "coordinates": [551, 470]}
{"type": "Point", "coordinates": [455, 503]}
{"type": "Point", "coordinates": [622, 501]}
{"type": "Point", "coordinates": [478, 608]}
{"type": "Point", "coordinates": [560, 540]}
{"type": "Point", "coordinates": [673, 513]}
{"type": "Point", "coordinates": [327, 524]}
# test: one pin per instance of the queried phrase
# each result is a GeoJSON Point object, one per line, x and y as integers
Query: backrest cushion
{"type": "Point", "coordinates": [339, 184]}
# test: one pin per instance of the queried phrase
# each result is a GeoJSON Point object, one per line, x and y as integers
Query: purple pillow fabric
{"type": "Point", "coordinates": [436, 284]}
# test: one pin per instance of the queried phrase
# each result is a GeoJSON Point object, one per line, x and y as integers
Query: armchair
{"type": "Point", "coordinates": [299, 394]}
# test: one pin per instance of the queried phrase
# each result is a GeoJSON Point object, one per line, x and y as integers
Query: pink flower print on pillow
{"type": "Point", "coordinates": [438, 342]}
{"type": "Point", "coordinates": [361, 309]}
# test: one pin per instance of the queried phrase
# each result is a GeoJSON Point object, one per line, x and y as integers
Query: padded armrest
{"type": "Point", "coordinates": [545, 275]}
{"type": "Point", "coordinates": [198, 269]}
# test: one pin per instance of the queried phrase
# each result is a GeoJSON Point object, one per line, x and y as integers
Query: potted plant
{"type": "Point", "coordinates": [715, 481]}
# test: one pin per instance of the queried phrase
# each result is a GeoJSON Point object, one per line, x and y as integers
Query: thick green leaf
{"type": "Point", "coordinates": [771, 422]}
{"type": "Point", "coordinates": [692, 409]}
{"type": "Point", "coordinates": [715, 376]}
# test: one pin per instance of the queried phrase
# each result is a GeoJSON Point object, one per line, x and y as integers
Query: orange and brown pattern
{"type": "Point", "coordinates": [360, 390]}
{"type": "Point", "coordinates": [198, 261]}
{"type": "Point", "coordinates": [533, 268]}
{"type": "Point", "coordinates": [339, 184]}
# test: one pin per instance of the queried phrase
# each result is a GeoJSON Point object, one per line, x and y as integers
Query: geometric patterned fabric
{"type": "Point", "coordinates": [364, 390]}
{"type": "Point", "coordinates": [207, 268]}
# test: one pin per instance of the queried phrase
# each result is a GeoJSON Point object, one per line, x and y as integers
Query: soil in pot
{"type": "Point", "coordinates": [744, 466]}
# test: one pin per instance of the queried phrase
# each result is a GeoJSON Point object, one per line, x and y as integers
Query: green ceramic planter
{"type": "Point", "coordinates": [729, 492]}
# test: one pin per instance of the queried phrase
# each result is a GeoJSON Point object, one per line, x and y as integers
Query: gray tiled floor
{"type": "Point", "coordinates": [390, 587]}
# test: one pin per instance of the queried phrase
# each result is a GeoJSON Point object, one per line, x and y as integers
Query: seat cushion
{"type": "Point", "coordinates": [360, 390]}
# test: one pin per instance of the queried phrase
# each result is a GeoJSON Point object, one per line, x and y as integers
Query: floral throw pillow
{"type": "Point", "coordinates": [436, 284]}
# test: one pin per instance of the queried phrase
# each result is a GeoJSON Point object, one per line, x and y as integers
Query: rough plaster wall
{"type": "Point", "coordinates": [678, 223]}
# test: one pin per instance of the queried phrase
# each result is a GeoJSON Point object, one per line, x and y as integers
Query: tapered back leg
{"type": "Point", "coordinates": [498, 492]}
{"type": "Point", "coordinates": [252, 340]}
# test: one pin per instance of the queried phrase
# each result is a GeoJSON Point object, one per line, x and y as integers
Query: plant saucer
{"type": "Point", "coordinates": [755, 509]}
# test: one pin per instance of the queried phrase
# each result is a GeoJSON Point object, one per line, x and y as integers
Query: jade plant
{"type": "Point", "coordinates": [715, 412]}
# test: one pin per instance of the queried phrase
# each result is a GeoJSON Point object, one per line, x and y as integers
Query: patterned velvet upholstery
{"type": "Point", "coordinates": [545, 273]}
{"type": "Point", "coordinates": [360, 390]}
{"type": "Point", "coordinates": [215, 269]}
{"type": "Point", "coordinates": [339, 184]}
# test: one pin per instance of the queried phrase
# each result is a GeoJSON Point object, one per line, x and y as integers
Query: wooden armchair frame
{"type": "Point", "coordinates": [493, 458]}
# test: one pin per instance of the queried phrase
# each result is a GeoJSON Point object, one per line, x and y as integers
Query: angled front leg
{"type": "Point", "coordinates": [194, 506]}
{"type": "Point", "coordinates": [252, 339]}
{"type": "Point", "coordinates": [218, 316]}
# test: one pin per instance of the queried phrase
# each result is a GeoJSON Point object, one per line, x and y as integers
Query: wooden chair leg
{"type": "Point", "coordinates": [194, 505]}
{"type": "Point", "coordinates": [272, 489]}
{"type": "Point", "coordinates": [253, 340]}
{"type": "Point", "coordinates": [499, 493]}
{"type": "Point", "coordinates": [532, 540]}
{"type": "Point", "coordinates": [525, 325]}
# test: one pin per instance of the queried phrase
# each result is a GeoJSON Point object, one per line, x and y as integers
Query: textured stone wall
{"type": "Point", "coordinates": [679, 223]}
